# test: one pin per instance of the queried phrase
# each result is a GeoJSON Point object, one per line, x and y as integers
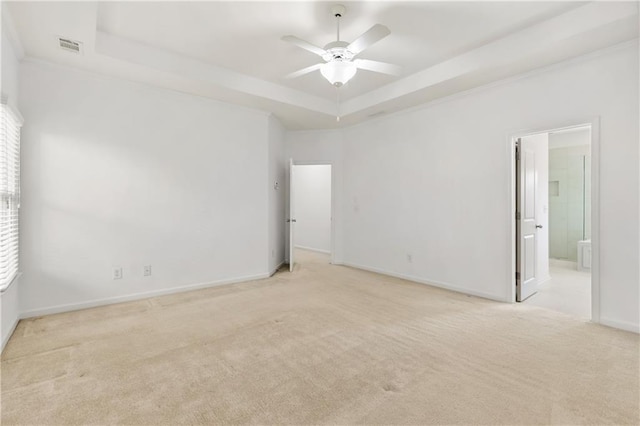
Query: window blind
{"type": "Point", "coordinates": [9, 194]}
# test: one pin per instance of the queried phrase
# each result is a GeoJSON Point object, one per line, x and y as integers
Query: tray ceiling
{"type": "Point", "coordinates": [232, 51]}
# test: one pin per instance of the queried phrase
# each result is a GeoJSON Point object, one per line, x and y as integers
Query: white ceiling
{"type": "Point", "coordinates": [232, 51]}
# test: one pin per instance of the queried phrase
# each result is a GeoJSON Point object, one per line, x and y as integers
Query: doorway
{"type": "Point", "coordinates": [554, 205]}
{"type": "Point", "coordinates": [310, 223]}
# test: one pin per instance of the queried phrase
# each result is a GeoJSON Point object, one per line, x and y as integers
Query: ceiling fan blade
{"type": "Point", "coordinates": [303, 71]}
{"type": "Point", "coordinates": [305, 45]}
{"type": "Point", "coordinates": [373, 35]}
{"type": "Point", "coordinates": [381, 67]}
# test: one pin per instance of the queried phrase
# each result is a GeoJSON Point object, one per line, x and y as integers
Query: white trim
{"type": "Point", "coordinates": [313, 249]}
{"type": "Point", "coordinates": [276, 268]}
{"type": "Point", "coordinates": [432, 283]}
{"type": "Point", "coordinates": [594, 123]}
{"type": "Point", "coordinates": [4, 100]}
{"type": "Point", "coordinates": [136, 296]}
{"type": "Point", "coordinates": [595, 220]}
{"type": "Point", "coordinates": [315, 131]}
{"type": "Point", "coordinates": [9, 334]}
{"type": "Point", "coordinates": [563, 263]}
{"type": "Point", "coordinates": [13, 281]}
{"type": "Point", "coordinates": [14, 296]}
{"type": "Point", "coordinates": [621, 325]}
{"type": "Point", "coordinates": [544, 279]}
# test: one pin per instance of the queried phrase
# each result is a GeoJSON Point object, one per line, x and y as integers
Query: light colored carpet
{"type": "Point", "coordinates": [324, 345]}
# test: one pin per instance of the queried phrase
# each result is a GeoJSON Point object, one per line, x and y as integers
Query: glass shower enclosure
{"type": "Point", "coordinates": [569, 200]}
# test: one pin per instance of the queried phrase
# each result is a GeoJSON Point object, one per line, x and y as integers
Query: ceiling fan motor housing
{"type": "Point", "coordinates": [337, 51]}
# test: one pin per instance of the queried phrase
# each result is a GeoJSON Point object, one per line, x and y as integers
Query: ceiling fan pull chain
{"type": "Point", "coordinates": [337, 104]}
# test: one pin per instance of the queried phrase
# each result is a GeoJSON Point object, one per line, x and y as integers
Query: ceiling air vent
{"type": "Point", "coordinates": [70, 45]}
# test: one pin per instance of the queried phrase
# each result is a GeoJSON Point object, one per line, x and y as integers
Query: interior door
{"type": "Point", "coordinates": [526, 242]}
{"type": "Point", "coordinates": [291, 220]}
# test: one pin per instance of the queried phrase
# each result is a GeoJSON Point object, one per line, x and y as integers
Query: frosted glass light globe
{"type": "Point", "coordinates": [338, 72]}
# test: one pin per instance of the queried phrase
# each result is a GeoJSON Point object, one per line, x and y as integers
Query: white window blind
{"type": "Point", "coordinates": [9, 193]}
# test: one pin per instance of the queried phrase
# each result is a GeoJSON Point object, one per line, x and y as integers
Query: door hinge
{"type": "Point", "coordinates": [517, 215]}
{"type": "Point", "coordinates": [517, 275]}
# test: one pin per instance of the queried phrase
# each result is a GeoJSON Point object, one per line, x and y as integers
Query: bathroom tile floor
{"type": "Point", "coordinates": [568, 290]}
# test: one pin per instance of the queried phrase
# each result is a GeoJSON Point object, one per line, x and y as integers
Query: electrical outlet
{"type": "Point", "coordinates": [117, 273]}
{"type": "Point", "coordinates": [147, 270]}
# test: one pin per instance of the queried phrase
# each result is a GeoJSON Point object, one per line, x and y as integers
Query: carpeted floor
{"type": "Point", "coordinates": [323, 345]}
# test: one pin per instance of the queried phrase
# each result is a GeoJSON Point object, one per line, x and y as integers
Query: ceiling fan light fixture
{"type": "Point", "coordinates": [338, 73]}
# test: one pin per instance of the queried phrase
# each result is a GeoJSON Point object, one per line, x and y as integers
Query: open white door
{"type": "Point", "coordinates": [291, 220]}
{"type": "Point", "coordinates": [526, 240]}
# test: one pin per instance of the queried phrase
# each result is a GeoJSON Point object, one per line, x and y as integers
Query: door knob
{"type": "Point", "coordinates": [539, 226]}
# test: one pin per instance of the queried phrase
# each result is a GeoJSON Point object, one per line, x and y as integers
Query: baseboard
{"type": "Point", "coordinates": [8, 336]}
{"type": "Point", "coordinates": [314, 249]}
{"type": "Point", "coordinates": [276, 268]}
{"type": "Point", "coordinates": [563, 263]}
{"type": "Point", "coordinates": [622, 325]}
{"type": "Point", "coordinates": [544, 280]}
{"type": "Point", "coordinates": [136, 296]}
{"type": "Point", "coordinates": [433, 283]}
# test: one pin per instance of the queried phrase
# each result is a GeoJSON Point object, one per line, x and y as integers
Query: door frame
{"type": "Point", "coordinates": [512, 137]}
{"type": "Point", "coordinates": [332, 237]}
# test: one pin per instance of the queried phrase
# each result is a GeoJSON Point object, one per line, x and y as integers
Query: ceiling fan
{"type": "Point", "coordinates": [340, 63]}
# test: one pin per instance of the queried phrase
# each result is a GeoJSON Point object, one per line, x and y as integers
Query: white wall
{"type": "Point", "coordinates": [312, 199]}
{"type": "Point", "coordinates": [434, 183]}
{"type": "Point", "coordinates": [321, 147]}
{"type": "Point", "coordinates": [277, 174]}
{"type": "Point", "coordinates": [122, 174]}
{"type": "Point", "coordinates": [9, 300]}
{"type": "Point", "coordinates": [562, 139]}
{"type": "Point", "coordinates": [9, 71]}
{"type": "Point", "coordinates": [118, 173]}
{"type": "Point", "coordinates": [9, 311]}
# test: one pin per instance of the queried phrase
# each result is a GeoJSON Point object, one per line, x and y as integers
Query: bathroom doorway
{"type": "Point", "coordinates": [311, 225]}
{"type": "Point", "coordinates": [553, 220]}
